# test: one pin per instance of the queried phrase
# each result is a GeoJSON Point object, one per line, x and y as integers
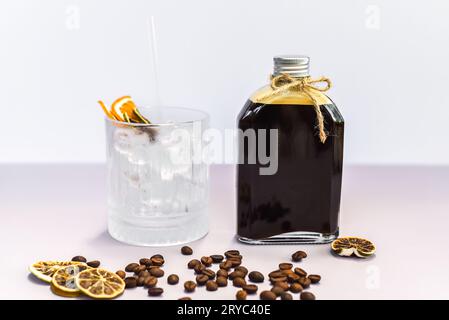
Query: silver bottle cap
{"type": "Point", "coordinates": [293, 65]}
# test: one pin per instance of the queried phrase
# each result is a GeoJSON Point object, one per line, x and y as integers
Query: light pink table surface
{"type": "Point", "coordinates": [58, 211]}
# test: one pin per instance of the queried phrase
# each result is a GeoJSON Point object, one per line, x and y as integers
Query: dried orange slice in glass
{"type": "Point", "coordinates": [105, 110]}
{"type": "Point", "coordinates": [117, 109]}
{"type": "Point", "coordinates": [45, 270]}
{"type": "Point", "coordinates": [348, 246]}
{"type": "Point", "coordinates": [64, 278]}
{"type": "Point", "coordinates": [100, 283]}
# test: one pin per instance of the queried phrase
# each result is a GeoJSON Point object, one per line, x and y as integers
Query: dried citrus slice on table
{"type": "Point", "coordinates": [45, 270]}
{"type": "Point", "coordinates": [100, 283]}
{"type": "Point", "coordinates": [348, 246]}
{"type": "Point", "coordinates": [64, 278]}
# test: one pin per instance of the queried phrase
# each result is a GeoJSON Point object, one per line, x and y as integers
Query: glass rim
{"type": "Point", "coordinates": [203, 115]}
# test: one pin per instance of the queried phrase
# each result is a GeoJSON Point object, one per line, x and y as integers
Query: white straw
{"type": "Point", "coordinates": [152, 42]}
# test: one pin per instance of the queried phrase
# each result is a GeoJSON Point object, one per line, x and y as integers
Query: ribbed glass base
{"type": "Point", "coordinates": [296, 237]}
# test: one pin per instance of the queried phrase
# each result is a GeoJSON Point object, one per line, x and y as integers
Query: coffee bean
{"type": "Point", "coordinates": [282, 284]}
{"type": "Point", "coordinates": [238, 282]}
{"type": "Point", "coordinates": [276, 274]}
{"type": "Point", "coordinates": [222, 273]}
{"type": "Point", "coordinates": [201, 279]}
{"type": "Point", "coordinates": [293, 277]}
{"type": "Point", "coordinates": [236, 274]}
{"type": "Point", "coordinates": [250, 288]}
{"type": "Point", "coordinates": [304, 282]}
{"type": "Point", "coordinates": [189, 286]}
{"type": "Point", "coordinates": [144, 274]}
{"type": "Point", "coordinates": [296, 287]}
{"type": "Point", "coordinates": [256, 276]}
{"type": "Point", "coordinates": [94, 264]}
{"type": "Point", "coordinates": [193, 263]}
{"type": "Point", "coordinates": [121, 274]}
{"type": "Point", "coordinates": [235, 262]}
{"type": "Point", "coordinates": [222, 281]}
{"type": "Point", "coordinates": [300, 272]}
{"type": "Point", "coordinates": [286, 296]}
{"type": "Point", "coordinates": [172, 279]}
{"type": "Point", "coordinates": [298, 256]}
{"type": "Point", "coordinates": [217, 258]}
{"type": "Point", "coordinates": [157, 261]}
{"type": "Point", "coordinates": [185, 298]}
{"type": "Point", "coordinates": [232, 253]}
{"type": "Point", "coordinates": [155, 292]}
{"type": "Point", "coordinates": [140, 268]}
{"type": "Point", "coordinates": [226, 265]}
{"type": "Point", "coordinates": [79, 259]}
{"type": "Point", "coordinates": [160, 256]}
{"type": "Point", "coordinates": [285, 266]}
{"type": "Point", "coordinates": [241, 295]}
{"type": "Point", "coordinates": [186, 250]}
{"type": "Point", "coordinates": [306, 295]}
{"type": "Point", "coordinates": [211, 285]}
{"type": "Point", "coordinates": [140, 281]}
{"type": "Point", "coordinates": [157, 272]}
{"type": "Point", "coordinates": [207, 261]}
{"type": "Point", "coordinates": [277, 291]}
{"type": "Point", "coordinates": [242, 269]}
{"type": "Point", "coordinates": [267, 295]}
{"type": "Point", "coordinates": [209, 273]}
{"type": "Point", "coordinates": [130, 282]}
{"type": "Point", "coordinates": [145, 261]}
{"type": "Point", "coordinates": [131, 267]}
{"type": "Point", "coordinates": [199, 268]}
{"type": "Point", "coordinates": [150, 282]}
{"type": "Point", "coordinates": [314, 278]}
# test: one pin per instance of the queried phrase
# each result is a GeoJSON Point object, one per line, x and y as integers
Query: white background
{"type": "Point", "coordinates": [388, 61]}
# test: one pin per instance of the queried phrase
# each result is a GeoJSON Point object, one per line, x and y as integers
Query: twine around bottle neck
{"type": "Point", "coordinates": [284, 82]}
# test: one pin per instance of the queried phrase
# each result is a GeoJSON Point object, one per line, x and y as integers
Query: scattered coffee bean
{"type": "Point", "coordinates": [185, 298]}
{"type": "Point", "coordinates": [79, 259]}
{"type": "Point", "coordinates": [130, 282]}
{"type": "Point", "coordinates": [157, 272]}
{"type": "Point", "coordinates": [256, 276]}
{"type": "Point", "coordinates": [93, 264]}
{"type": "Point", "coordinates": [140, 268]}
{"type": "Point", "coordinates": [217, 258]}
{"type": "Point", "coordinates": [193, 263]}
{"type": "Point", "coordinates": [286, 296]}
{"type": "Point", "coordinates": [236, 274]}
{"type": "Point", "coordinates": [277, 291]}
{"type": "Point", "coordinates": [201, 279]}
{"type": "Point", "coordinates": [293, 277]}
{"type": "Point", "coordinates": [189, 286]}
{"type": "Point", "coordinates": [300, 272]}
{"type": "Point", "coordinates": [226, 265]}
{"type": "Point", "coordinates": [209, 273]}
{"type": "Point", "coordinates": [267, 295]}
{"type": "Point", "coordinates": [211, 285]}
{"type": "Point", "coordinates": [285, 266]}
{"type": "Point", "coordinates": [250, 288]}
{"type": "Point", "coordinates": [140, 281]}
{"type": "Point", "coordinates": [145, 261]}
{"type": "Point", "coordinates": [121, 274]}
{"type": "Point", "coordinates": [207, 261]}
{"type": "Point", "coordinates": [144, 274]}
{"type": "Point", "coordinates": [314, 278]}
{"type": "Point", "coordinates": [304, 282]}
{"type": "Point", "coordinates": [199, 268]}
{"type": "Point", "coordinates": [241, 295]}
{"type": "Point", "coordinates": [235, 262]}
{"type": "Point", "coordinates": [232, 253]}
{"type": "Point", "coordinates": [298, 256]}
{"type": "Point", "coordinates": [186, 250]}
{"type": "Point", "coordinates": [131, 267]}
{"type": "Point", "coordinates": [222, 281]}
{"type": "Point", "coordinates": [155, 292]}
{"type": "Point", "coordinates": [242, 269]}
{"type": "Point", "coordinates": [222, 273]}
{"type": "Point", "coordinates": [296, 287]}
{"type": "Point", "coordinates": [276, 274]}
{"type": "Point", "coordinates": [172, 279]}
{"type": "Point", "coordinates": [306, 295]}
{"type": "Point", "coordinates": [157, 260]}
{"type": "Point", "coordinates": [238, 282]}
{"type": "Point", "coordinates": [150, 282]}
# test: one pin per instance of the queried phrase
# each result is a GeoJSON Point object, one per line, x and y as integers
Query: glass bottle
{"type": "Point", "coordinates": [300, 201]}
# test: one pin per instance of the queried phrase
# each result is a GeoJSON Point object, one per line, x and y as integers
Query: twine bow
{"type": "Point", "coordinates": [306, 85]}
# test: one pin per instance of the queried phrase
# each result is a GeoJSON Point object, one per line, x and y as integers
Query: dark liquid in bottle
{"type": "Point", "coordinates": [304, 194]}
